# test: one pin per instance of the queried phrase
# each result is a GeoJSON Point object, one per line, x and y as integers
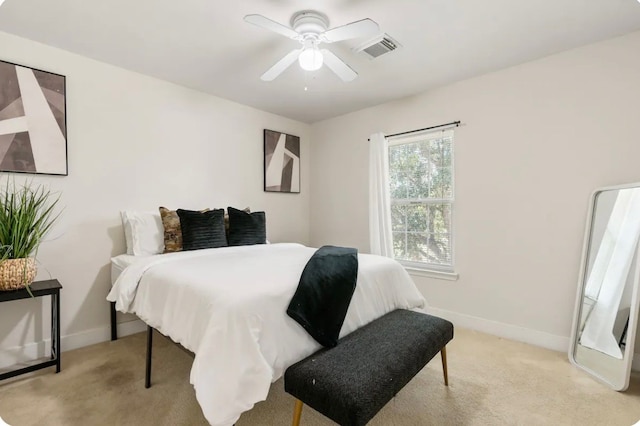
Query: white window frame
{"type": "Point", "coordinates": [423, 268]}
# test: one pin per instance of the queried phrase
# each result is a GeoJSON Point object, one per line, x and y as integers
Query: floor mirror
{"type": "Point", "coordinates": [606, 310]}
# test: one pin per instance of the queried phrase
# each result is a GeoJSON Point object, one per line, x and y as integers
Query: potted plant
{"type": "Point", "coordinates": [26, 215]}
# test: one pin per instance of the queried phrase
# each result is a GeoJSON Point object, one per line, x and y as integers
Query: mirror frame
{"type": "Point", "coordinates": [635, 299]}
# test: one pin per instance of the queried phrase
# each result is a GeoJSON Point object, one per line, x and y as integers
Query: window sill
{"type": "Point", "coordinates": [430, 273]}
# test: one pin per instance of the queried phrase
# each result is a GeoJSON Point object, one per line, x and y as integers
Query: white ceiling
{"type": "Point", "coordinates": [205, 44]}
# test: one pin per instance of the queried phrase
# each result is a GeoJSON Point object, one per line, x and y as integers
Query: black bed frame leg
{"type": "Point", "coordinates": [114, 325]}
{"type": "Point", "coordinates": [147, 378]}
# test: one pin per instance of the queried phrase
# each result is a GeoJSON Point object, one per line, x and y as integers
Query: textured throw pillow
{"type": "Point", "coordinates": [246, 228]}
{"type": "Point", "coordinates": [201, 230]}
{"type": "Point", "coordinates": [172, 230]}
{"type": "Point", "coordinates": [226, 220]}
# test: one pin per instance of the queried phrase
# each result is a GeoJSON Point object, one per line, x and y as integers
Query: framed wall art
{"type": "Point", "coordinates": [281, 162]}
{"type": "Point", "coordinates": [33, 121]}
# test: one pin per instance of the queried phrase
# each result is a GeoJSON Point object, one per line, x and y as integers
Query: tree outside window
{"type": "Point", "coordinates": [421, 180]}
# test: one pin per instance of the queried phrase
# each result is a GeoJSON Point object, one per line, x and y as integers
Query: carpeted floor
{"type": "Point", "coordinates": [492, 382]}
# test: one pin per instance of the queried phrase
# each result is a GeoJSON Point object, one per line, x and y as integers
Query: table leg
{"type": "Point", "coordinates": [54, 347]}
{"type": "Point", "coordinates": [58, 346]}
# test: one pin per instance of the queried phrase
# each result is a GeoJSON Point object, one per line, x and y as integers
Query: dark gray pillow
{"type": "Point", "coordinates": [201, 230]}
{"type": "Point", "coordinates": [246, 228]}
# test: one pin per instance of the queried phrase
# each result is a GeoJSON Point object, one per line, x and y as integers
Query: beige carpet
{"type": "Point", "coordinates": [492, 382]}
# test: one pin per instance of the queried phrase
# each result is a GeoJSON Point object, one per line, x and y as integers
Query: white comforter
{"type": "Point", "coordinates": [228, 306]}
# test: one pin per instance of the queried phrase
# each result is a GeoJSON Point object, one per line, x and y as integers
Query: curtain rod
{"type": "Point", "coordinates": [453, 123]}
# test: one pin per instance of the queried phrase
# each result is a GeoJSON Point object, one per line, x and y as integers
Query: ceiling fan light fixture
{"type": "Point", "coordinates": [309, 27]}
{"type": "Point", "coordinates": [311, 59]}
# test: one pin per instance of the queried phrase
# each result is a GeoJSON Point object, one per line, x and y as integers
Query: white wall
{"type": "Point", "coordinates": [136, 143]}
{"type": "Point", "coordinates": [537, 139]}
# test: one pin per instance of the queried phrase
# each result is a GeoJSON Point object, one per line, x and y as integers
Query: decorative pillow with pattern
{"type": "Point", "coordinates": [172, 230]}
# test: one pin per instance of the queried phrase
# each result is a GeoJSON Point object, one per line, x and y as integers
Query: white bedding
{"type": "Point", "coordinates": [120, 263]}
{"type": "Point", "coordinates": [228, 306]}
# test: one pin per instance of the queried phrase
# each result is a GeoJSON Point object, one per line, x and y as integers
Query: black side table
{"type": "Point", "coordinates": [39, 289]}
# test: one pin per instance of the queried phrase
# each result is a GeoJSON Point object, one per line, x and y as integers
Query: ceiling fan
{"type": "Point", "coordinates": [310, 29]}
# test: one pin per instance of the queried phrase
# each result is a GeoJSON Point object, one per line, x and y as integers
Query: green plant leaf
{"type": "Point", "coordinates": [26, 215]}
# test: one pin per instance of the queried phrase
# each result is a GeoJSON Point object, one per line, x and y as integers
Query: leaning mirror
{"type": "Point", "coordinates": [606, 312]}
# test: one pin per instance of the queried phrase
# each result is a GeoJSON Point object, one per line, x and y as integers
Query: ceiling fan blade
{"type": "Point", "coordinates": [281, 65]}
{"type": "Point", "coordinates": [337, 65]}
{"type": "Point", "coordinates": [362, 28]}
{"type": "Point", "coordinates": [274, 26]}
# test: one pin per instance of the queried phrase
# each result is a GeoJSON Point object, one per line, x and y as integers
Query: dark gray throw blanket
{"type": "Point", "coordinates": [323, 295]}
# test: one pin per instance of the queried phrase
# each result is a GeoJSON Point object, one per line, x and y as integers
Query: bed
{"type": "Point", "coordinates": [228, 306]}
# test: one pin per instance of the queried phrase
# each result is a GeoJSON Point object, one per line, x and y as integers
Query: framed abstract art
{"type": "Point", "coordinates": [281, 162]}
{"type": "Point", "coordinates": [33, 121]}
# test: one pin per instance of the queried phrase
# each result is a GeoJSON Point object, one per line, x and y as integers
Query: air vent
{"type": "Point", "coordinates": [378, 46]}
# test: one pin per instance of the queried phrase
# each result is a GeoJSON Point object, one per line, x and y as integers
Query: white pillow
{"type": "Point", "coordinates": [127, 232]}
{"type": "Point", "coordinates": [143, 233]}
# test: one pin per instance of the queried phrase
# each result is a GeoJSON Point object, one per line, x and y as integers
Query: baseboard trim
{"type": "Point", "coordinates": [514, 332]}
{"type": "Point", "coordinates": [24, 354]}
{"type": "Point", "coordinates": [508, 331]}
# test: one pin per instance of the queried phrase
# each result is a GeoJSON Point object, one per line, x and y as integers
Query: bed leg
{"type": "Point", "coordinates": [147, 378]}
{"type": "Point", "coordinates": [443, 354]}
{"type": "Point", "coordinates": [114, 325]}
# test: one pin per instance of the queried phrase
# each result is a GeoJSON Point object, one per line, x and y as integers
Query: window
{"type": "Point", "coordinates": [421, 187]}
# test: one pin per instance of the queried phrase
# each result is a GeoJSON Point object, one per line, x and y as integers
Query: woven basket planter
{"type": "Point", "coordinates": [17, 273]}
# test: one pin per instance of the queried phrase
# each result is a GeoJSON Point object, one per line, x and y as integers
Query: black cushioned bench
{"type": "Point", "coordinates": [351, 382]}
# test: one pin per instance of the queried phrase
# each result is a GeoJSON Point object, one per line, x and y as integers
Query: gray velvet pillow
{"type": "Point", "coordinates": [246, 228]}
{"type": "Point", "coordinates": [201, 230]}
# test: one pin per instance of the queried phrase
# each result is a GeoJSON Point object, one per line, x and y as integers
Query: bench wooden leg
{"type": "Point", "coordinates": [297, 412]}
{"type": "Point", "coordinates": [443, 354]}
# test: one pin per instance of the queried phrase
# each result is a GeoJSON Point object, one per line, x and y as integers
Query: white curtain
{"type": "Point", "coordinates": [380, 237]}
{"type": "Point", "coordinates": [606, 282]}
